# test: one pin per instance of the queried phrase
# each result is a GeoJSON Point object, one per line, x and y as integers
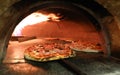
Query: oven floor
{"type": "Point", "coordinates": [87, 63]}
{"type": "Point", "coordinates": [15, 51]}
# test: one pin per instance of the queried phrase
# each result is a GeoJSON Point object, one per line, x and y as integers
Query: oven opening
{"type": "Point", "coordinates": [82, 26]}
{"type": "Point", "coordinates": [56, 24]}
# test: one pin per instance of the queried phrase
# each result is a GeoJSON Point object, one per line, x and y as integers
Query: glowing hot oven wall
{"type": "Point", "coordinates": [79, 20]}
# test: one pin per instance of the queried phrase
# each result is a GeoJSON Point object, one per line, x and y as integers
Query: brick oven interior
{"type": "Point", "coordinates": [79, 21]}
{"type": "Point", "coordinates": [70, 27]}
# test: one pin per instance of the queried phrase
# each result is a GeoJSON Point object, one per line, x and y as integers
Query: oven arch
{"type": "Point", "coordinates": [16, 13]}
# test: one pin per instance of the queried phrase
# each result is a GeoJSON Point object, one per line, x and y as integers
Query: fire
{"type": "Point", "coordinates": [32, 19]}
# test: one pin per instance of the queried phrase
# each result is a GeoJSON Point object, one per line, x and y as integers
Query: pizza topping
{"type": "Point", "coordinates": [54, 49]}
{"type": "Point", "coordinates": [86, 46]}
{"type": "Point", "coordinates": [48, 51]}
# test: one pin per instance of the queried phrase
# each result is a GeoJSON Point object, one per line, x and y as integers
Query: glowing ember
{"type": "Point", "coordinates": [32, 19]}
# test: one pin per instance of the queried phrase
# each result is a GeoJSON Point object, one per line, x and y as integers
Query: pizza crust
{"type": "Point", "coordinates": [28, 57]}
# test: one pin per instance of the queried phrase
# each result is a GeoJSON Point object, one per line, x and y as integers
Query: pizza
{"type": "Point", "coordinates": [54, 49]}
{"type": "Point", "coordinates": [85, 46]}
{"type": "Point", "coordinates": [48, 52]}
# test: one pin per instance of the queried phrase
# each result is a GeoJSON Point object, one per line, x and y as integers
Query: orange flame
{"type": "Point", "coordinates": [32, 19]}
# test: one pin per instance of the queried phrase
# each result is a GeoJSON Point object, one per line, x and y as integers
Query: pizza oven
{"type": "Point", "coordinates": [28, 23]}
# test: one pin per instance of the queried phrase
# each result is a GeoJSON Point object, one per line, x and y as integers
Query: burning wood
{"type": "Point", "coordinates": [22, 39]}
